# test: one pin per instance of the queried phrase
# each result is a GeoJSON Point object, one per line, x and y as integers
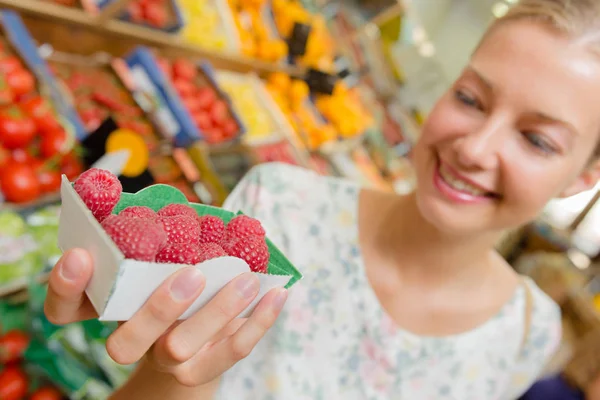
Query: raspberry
{"type": "Point", "coordinates": [243, 226]}
{"type": "Point", "coordinates": [100, 191]}
{"type": "Point", "coordinates": [181, 229]}
{"type": "Point", "coordinates": [208, 251]}
{"type": "Point", "coordinates": [139, 212]}
{"type": "Point", "coordinates": [138, 239]}
{"type": "Point", "coordinates": [177, 209]}
{"type": "Point", "coordinates": [252, 249]}
{"type": "Point", "coordinates": [179, 253]}
{"type": "Point", "coordinates": [211, 229]}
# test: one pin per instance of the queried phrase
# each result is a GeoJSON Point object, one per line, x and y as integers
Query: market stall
{"type": "Point", "coordinates": [191, 94]}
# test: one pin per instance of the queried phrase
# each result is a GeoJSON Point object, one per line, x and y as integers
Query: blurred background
{"type": "Point", "coordinates": [198, 92]}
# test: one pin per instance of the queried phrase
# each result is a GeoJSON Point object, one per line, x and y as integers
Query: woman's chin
{"type": "Point", "coordinates": [445, 218]}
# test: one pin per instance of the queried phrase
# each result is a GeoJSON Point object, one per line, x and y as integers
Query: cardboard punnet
{"type": "Point", "coordinates": [119, 287]}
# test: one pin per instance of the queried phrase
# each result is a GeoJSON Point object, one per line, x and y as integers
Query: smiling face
{"type": "Point", "coordinates": [517, 129]}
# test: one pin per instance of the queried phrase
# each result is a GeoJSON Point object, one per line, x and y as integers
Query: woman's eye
{"type": "Point", "coordinates": [539, 142]}
{"type": "Point", "coordinates": [467, 100]}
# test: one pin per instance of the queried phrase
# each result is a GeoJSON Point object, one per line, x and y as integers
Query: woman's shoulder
{"type": "Point", "coordinates": [545, 326]}
{"type": "Point", "coordinates": [544, 310]}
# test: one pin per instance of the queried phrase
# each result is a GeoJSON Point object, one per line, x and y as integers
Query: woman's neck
{"type": "Point", "coordinates": [403, 240]}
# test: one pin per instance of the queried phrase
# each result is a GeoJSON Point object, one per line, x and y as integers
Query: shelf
{"type": "Point", "coordinates": [76, 31]}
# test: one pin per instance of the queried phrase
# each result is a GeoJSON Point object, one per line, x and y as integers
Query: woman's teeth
{"type": "Point", "coordinates": [459, 184]}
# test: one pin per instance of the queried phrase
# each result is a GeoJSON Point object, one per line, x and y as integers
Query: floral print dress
{"type": "Point", "coordinates": [333, 339]}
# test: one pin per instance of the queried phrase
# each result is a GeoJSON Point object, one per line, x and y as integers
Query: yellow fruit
{"type": "Point", "coordinates": [278, 5]}
{"type": "Point", "coordinates": [340, 89]}
{"type": "Point", "coordinates": [248, 46]}
{"type": "Point", "coordinates": [299, 91]}
{"type": "Point", "coordinates": [124, 139]}
{"type": "Point", "coordinates": [279, 49]}
{"type": "Point", "coordinates": [280, 81]}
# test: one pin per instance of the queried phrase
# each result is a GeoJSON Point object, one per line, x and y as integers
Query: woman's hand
{"type": "Point", "coordinates": [194, 351]}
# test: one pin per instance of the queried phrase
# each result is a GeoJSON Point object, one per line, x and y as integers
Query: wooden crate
{"type": "Point", "coordinates": [76, 31]}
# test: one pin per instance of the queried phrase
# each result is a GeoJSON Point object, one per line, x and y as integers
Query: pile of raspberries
{"type": "Point", "coordinates": [176, 233]}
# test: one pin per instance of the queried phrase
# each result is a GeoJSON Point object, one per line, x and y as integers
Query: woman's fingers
{"type": "Point", "coordinates": [243, 341]}
{"type": "Point", "coordinates": [218, 358]}
{"type": "Point", "coordinates": [66, 300]}
{"type": "Point", "coordinates": [188, 338]}
{"type": "Point", "coordinates": [133, 339]}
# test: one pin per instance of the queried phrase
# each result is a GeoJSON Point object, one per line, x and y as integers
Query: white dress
{"type": "Point", "coordinates": [334, 341]}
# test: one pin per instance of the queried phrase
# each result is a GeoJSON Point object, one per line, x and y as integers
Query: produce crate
{"type": "Point", "coordinates": [259, 37]}
{"type": "Point", "coordinates": [152, 79]}
{"type": "Point", "coordinates": [103, 87]}
{"type": "Point", "coordinates": [100, 88]}
{"type": "Point", "coordinates": [264, 121]}
{"type": "Point", "coordinates": [209, 24]}
{"type": "Point", "coordinates": [166, 14]}
{"type": "Point", "coordinates": [25, 48]}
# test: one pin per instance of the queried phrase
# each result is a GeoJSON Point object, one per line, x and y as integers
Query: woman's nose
{"type": "Point", "coordinates": [480, 148]}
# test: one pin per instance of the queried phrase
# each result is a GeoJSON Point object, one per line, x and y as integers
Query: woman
{"type": "Point", "coordinates": [403, 297]}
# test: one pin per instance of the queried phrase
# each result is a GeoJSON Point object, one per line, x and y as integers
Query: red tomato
{"type": "Point", "coordinates": [218, 112]}
{"type": "Point", "coordinates": [19, 184]}
{"type": "Point", "coordinates": [184, 69]}
{"type": "Point", "coordinates": [183, 87]}
{"type": "Point", "coordinates": [229, 127]}
{"type": "Point", "coordinates": [71, 166]}
{"type": "Point", "coordinates": [46, 393]}
{"type": "Point", "coordinates": [41, 112]}
{"type": "Point", "coordinates": [203, 121]}
{"type": "Point", "coordinates": [53, 143]}
{"type": "Point", "coordinates": [4, 157]}
{"type": "Point", "coordinates": [213, 135]}
{"type": "Point", "coordinates": [6, 94]}
{"type": "Point", "coordinates": [47, 124]}
{"type": "Point", "coordinates": [22, 156]}
{"type": "Point", "coordinates": [192, 104]}
{"type": "Point", "coordinates": [16, 130]}
{"type": "Point", "coordinates": [10, 64]}
{"type": "Point", "coordinates": [206, 96]}
{"type": "Point", "coordinates": [135, 12]}
{"type": "Point", "coordinates": [49, 180]}
{"type": "Point", "coordinates": [155, 15]}
{"type": "Point", "coordinates": [13, 384]}
{"type": "Point", "coordinates": [21, 82]}
{"type": "Point", "coordinates": [12, 345]}
{"type": "Point", "coordinates": [92, 116]}
{"type": "Point", "coordinates": [35, 106]}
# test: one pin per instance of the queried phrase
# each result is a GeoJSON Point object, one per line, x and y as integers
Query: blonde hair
{"type": "Point", "coordinates": [578, 19]}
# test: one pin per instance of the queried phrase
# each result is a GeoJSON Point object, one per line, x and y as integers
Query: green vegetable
{"type": "Point", "coordinates": [12, 225]}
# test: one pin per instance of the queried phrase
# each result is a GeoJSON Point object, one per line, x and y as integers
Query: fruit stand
{"type": "Point", "coordinates": [191, 94]}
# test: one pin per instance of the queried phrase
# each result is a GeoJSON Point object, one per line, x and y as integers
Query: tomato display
{"type": "Point", "coordinates": [46, 393]}
{"type": "Point", "coordinates": [19, 183]}
{"type": "Point", "coordinates": [13, 384]}
{"type": "Point", "coordinates": [15, 381]}
{"type": "Point", "coordinates": [32, 140]}
{"type": "Point", "coordinates": [208, 110]}
{"type": "Point", "coordinates": [16, 129]}
{"type": "Point", "coordinates": [13, 345]}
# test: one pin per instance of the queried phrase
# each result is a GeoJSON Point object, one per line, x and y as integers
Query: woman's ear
{"type": "Point", "coordinates": [585, 181]}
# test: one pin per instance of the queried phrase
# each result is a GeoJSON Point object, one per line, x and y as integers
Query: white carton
{"type": "Point", "coordinates": [119, 287]}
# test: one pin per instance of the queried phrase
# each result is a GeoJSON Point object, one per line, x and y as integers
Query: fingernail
{"type": "Point", "coordinates": [247, 285]}
{"type": "Point", "coordinates": [186, 285]}
{"type": "Point", "coordinates": [72, 264]}
{"type": "Point", "coordinates": [279, 300]}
